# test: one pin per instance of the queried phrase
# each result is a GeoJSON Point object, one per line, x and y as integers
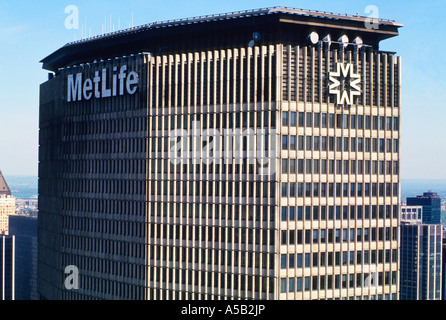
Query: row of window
{"type": "Point", "coordinates": [343, 281]}
{"type": "Point", "coordinates": [322, 236]}
{"type": "Point", "coordinates": [344, 121]}
{"type": "Point", "coordinates": [95, 127]}
{"type": "Point", "coordinates": [293, 213]}
{"type": "Point", "coordinates": [213, 188]}
{"type": "Point", "coordinates": [225, 120]}
{"type": "Point", "coordinates": [301, 189]}
{"type": "Point", "coordinates": [324, 166]}
{"type": "Point", "coordinates": [331, 259]}
{"type": "Point", "coordinates": [214, 234]}
{"type": "Point", "coordinates": [325, 143]}
{"type": "Point", "coordinates": [205, 211]}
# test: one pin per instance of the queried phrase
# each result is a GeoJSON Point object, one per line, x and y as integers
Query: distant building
{"type": "Point", "coordinates": [443, 271]}
{"type": "Point", "coordinates": [411, 214]}
{"type": "Point", "coordinates": [420, 256]}
{"type": "Point", "coordinates": [7, 205]}
{"type": "Point", "coordinates": [7, 267]}
{"type": "Point", "coordinates": [24, 228]}
{"type": "Point", "coordinates": [431, 203]}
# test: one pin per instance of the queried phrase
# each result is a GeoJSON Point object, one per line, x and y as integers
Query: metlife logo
{"type": "Point", "coordinates": [110, 82]}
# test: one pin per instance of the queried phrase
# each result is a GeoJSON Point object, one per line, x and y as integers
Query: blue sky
{"type": "Point", "coordinates": [31, 30]}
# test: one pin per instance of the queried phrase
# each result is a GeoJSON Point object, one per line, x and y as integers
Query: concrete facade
{"type": "Point", "coordinates": [315, 223]}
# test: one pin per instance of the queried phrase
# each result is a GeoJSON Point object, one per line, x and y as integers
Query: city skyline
{"type": "Point", "coordinates": [30, 35]}
{"type": "Point", "coordinates": [256, 150]}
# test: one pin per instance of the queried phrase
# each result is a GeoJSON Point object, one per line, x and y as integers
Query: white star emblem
{"type": "Point", "coordinates": [343, 72]}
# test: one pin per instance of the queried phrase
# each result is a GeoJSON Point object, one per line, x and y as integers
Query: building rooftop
{"type": "Point", "coordinates": [161, 36]}
{"type": "Point", "coordinates": [4, 188]}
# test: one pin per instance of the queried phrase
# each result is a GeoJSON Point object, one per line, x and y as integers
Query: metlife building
{"type": "Point", "coordinates": [248, 155]}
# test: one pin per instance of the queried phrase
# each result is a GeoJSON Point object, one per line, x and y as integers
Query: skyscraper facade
{"type": "Point", "coordinates": [248, 155]}
{"type": "Point", "coordinates": [7, 205]}
{"type": "Point", "coordinates": [431, 203]}
{"type": "Point", "coordinates": [421, 257]}
{"type": "Point", "coordinates": [7, 267]}
{"type": "Point", "coordinates": [24, 230]}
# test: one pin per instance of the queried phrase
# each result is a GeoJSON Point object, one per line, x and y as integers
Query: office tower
{"type": "Point", "coordinates": [443, 270]}
{"type": "Point", "coordinates": [7, 267]}
{"type": "Point", "coordinates": [421, 257]}
{"type": "Point", "coordinates": [411, 214]}
{"type": "Point", "coordinates": [247, 155]}
{"type": "Point", "coordinates": [431, 203]}
{"type": "Point", "coordinates": [7, 205]}
{"type": "Point", "coordinates": [24, 229]}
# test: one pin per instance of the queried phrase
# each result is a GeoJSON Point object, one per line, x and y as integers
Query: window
{"type": "Point", "coordinates": [292, 189]}
{"type": "Point", "coordinates": [307, 283]}
{"type": "Point", "coordinates": [368, 122]}
{"type": "Point", "coordinates": [324, 120]}
{"type": "Point", "coordinates": [309, 143]}
{"type": "Point", "coordinates": [317, 120]}
{"type": "Point", "coordinates": [285, 119]}
{"type": "Point", "coordinates": [346, 121]}
{"type": "Point", "coordinates": [284, 213]}
{"type": "Point", "coordinates": [331, 120]}
{"type": "Point", "coordinates": [284, 237]}
{"type": "Point", "coordinates": [396, 145]}
{"type": "Point", "coordinates": [382, 123]}
{"type": "Point", "coordinates": [293, 119]}
{"type": "Point", "coordinates": [346, 144]}
{"type": "Point", "coordinates": [338, 144]}
{"type": "Point", "coordinates": [292, 211]}
{"type": "Point", "coordinates": [308, 164]}
{"type": "Point", "coordinates": [301, 119]}
{"type": "Point", "coordinates": [285, 166]}
{"type": "Point", "coordinates": [284, 189]}
{"type": "Point", "coordinates": [291, 261]}
{"type": "Point", "coordinates": [396, 124]}
{"type": "Point", "coordinates": [283, 259]}
{"type": "Point", "coordinates": [324, 143]}
{"type": "Point", "coordinates": [301, 142]}
{"type": "Point", "coordinates": [300, 166]}
{"type": "Point", "coordinates": [291, 285]}
{"type": "Point", "coordinates": [285, 142]}
{"type": "Point", "coordinates": [307, 260]}
{"type": "Point", "coordinates": [353, 121]}
{"type": "Point", "coordinates": [292, 142]}
{"type": "Point", "coordinates": [309, 119]}
{"type": "Point", "coordinates": [316, 143]}
{"type": "Point", "coordinates": [283, 285]}
{"type": "Point", "coordinates": [360, 122]}
{"type": "Point", "coordinates": [292, 167]}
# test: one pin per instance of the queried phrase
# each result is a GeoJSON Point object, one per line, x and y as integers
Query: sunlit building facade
{"type": "Point", "coordinates": [317, 219]}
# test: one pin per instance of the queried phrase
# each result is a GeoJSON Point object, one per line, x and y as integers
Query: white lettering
{"type": "Point", "coordinates": [100, 85]}
{"type": "Point", "coordinates": [122, 76]}
{"type": "Point", "coordinates": [105, 92]}
{"type": "Point", "coordinates": [132, 79]}
{"type": "Point", "coordinates": [74, 89]}
{"type": "Point", "coordinates": [88, 86]}
{"type": "Point", "coordinates": [96, 80]}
